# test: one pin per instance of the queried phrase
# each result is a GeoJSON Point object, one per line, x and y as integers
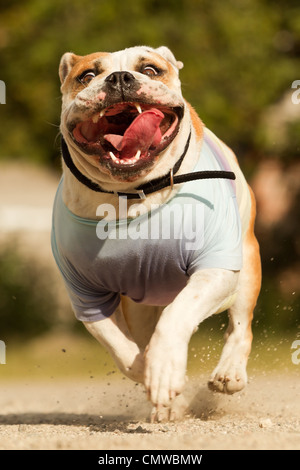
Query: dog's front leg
{"type": "Point", "coordinates": [114, 335]}
{"type": "Point", "coordinates": [166, 354]}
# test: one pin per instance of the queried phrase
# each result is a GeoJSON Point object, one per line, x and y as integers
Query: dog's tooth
{"type": "Point", "coordinates": [138, 108]}
{"type": "Point", "coordinates": [101, 114]}
{"type": "Point", "coordinates": [113, 157]}
{"type": "Point", "coordinates": [127, 161]}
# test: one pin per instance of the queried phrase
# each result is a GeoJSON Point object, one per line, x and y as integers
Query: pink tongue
{"type": "Point", "coordinates": [143, 132]}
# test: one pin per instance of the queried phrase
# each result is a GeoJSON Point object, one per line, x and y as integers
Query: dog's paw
{"type": "Point", "coordinates": [175, 412]}
{"type": "Point", "coordinates": [228, 380]}
{"type": "Point", "coordinates": [165, 367]}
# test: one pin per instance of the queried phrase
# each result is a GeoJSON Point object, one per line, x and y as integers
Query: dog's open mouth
{"type": "Point", "coordinates": [128, 134]}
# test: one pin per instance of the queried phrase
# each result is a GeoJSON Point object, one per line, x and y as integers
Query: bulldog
{"type": "Point", "coordinates": [153, 222]}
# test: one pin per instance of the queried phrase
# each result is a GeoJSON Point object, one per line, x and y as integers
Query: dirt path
{"type": "Point", "coordinates": [114, 415]}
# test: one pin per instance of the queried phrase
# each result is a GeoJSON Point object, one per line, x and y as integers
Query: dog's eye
{"type": "Point", "coordinates": [86, 77]}
{"type": "Point", "coordinates": [150, 70]}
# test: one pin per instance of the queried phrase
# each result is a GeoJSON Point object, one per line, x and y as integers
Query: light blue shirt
{"type": "Point", "coordinates": [151, 257]}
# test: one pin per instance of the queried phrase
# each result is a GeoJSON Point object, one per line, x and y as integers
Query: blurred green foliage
{"type": "Point", "coordinates": [28, 303]}
{"type": "Point", "coordinates": [239, 55]}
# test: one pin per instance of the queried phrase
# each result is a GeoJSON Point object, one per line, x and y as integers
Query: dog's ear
{"type": "Point", "coordinates": [169, 56]}
{"type": "Point", "coordinates": [67, 62]}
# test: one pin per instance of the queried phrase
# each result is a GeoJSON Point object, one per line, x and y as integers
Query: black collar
{"type": "Point", "coordinates": [151, 186]}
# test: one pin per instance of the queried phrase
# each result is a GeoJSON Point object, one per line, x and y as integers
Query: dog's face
{"type": "Point", "coordinates": [121, 111]}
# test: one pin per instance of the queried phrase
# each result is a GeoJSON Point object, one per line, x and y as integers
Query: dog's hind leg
{"type": "Point", "coordinates": [125, 334]}
{"type": "Point", "coordinates": [140, 319]}
{"type": "Point", "coordinates": [230, 374]}
{"type": "Point", "coordinates": [113, 333]}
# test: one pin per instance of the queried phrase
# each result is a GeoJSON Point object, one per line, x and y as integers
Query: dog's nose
{"type": "Point", "coordinates": [120, 80]}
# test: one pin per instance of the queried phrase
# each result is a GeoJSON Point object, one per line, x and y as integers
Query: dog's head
{"type": "Point", "coordinates": [121, 111]}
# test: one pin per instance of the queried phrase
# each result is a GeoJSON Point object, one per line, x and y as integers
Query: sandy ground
{"type": "Point", "coordinates": [104, 415]}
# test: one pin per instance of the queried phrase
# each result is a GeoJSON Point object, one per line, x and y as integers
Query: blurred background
{"type": "Point", "coordinates": [240, 58]}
